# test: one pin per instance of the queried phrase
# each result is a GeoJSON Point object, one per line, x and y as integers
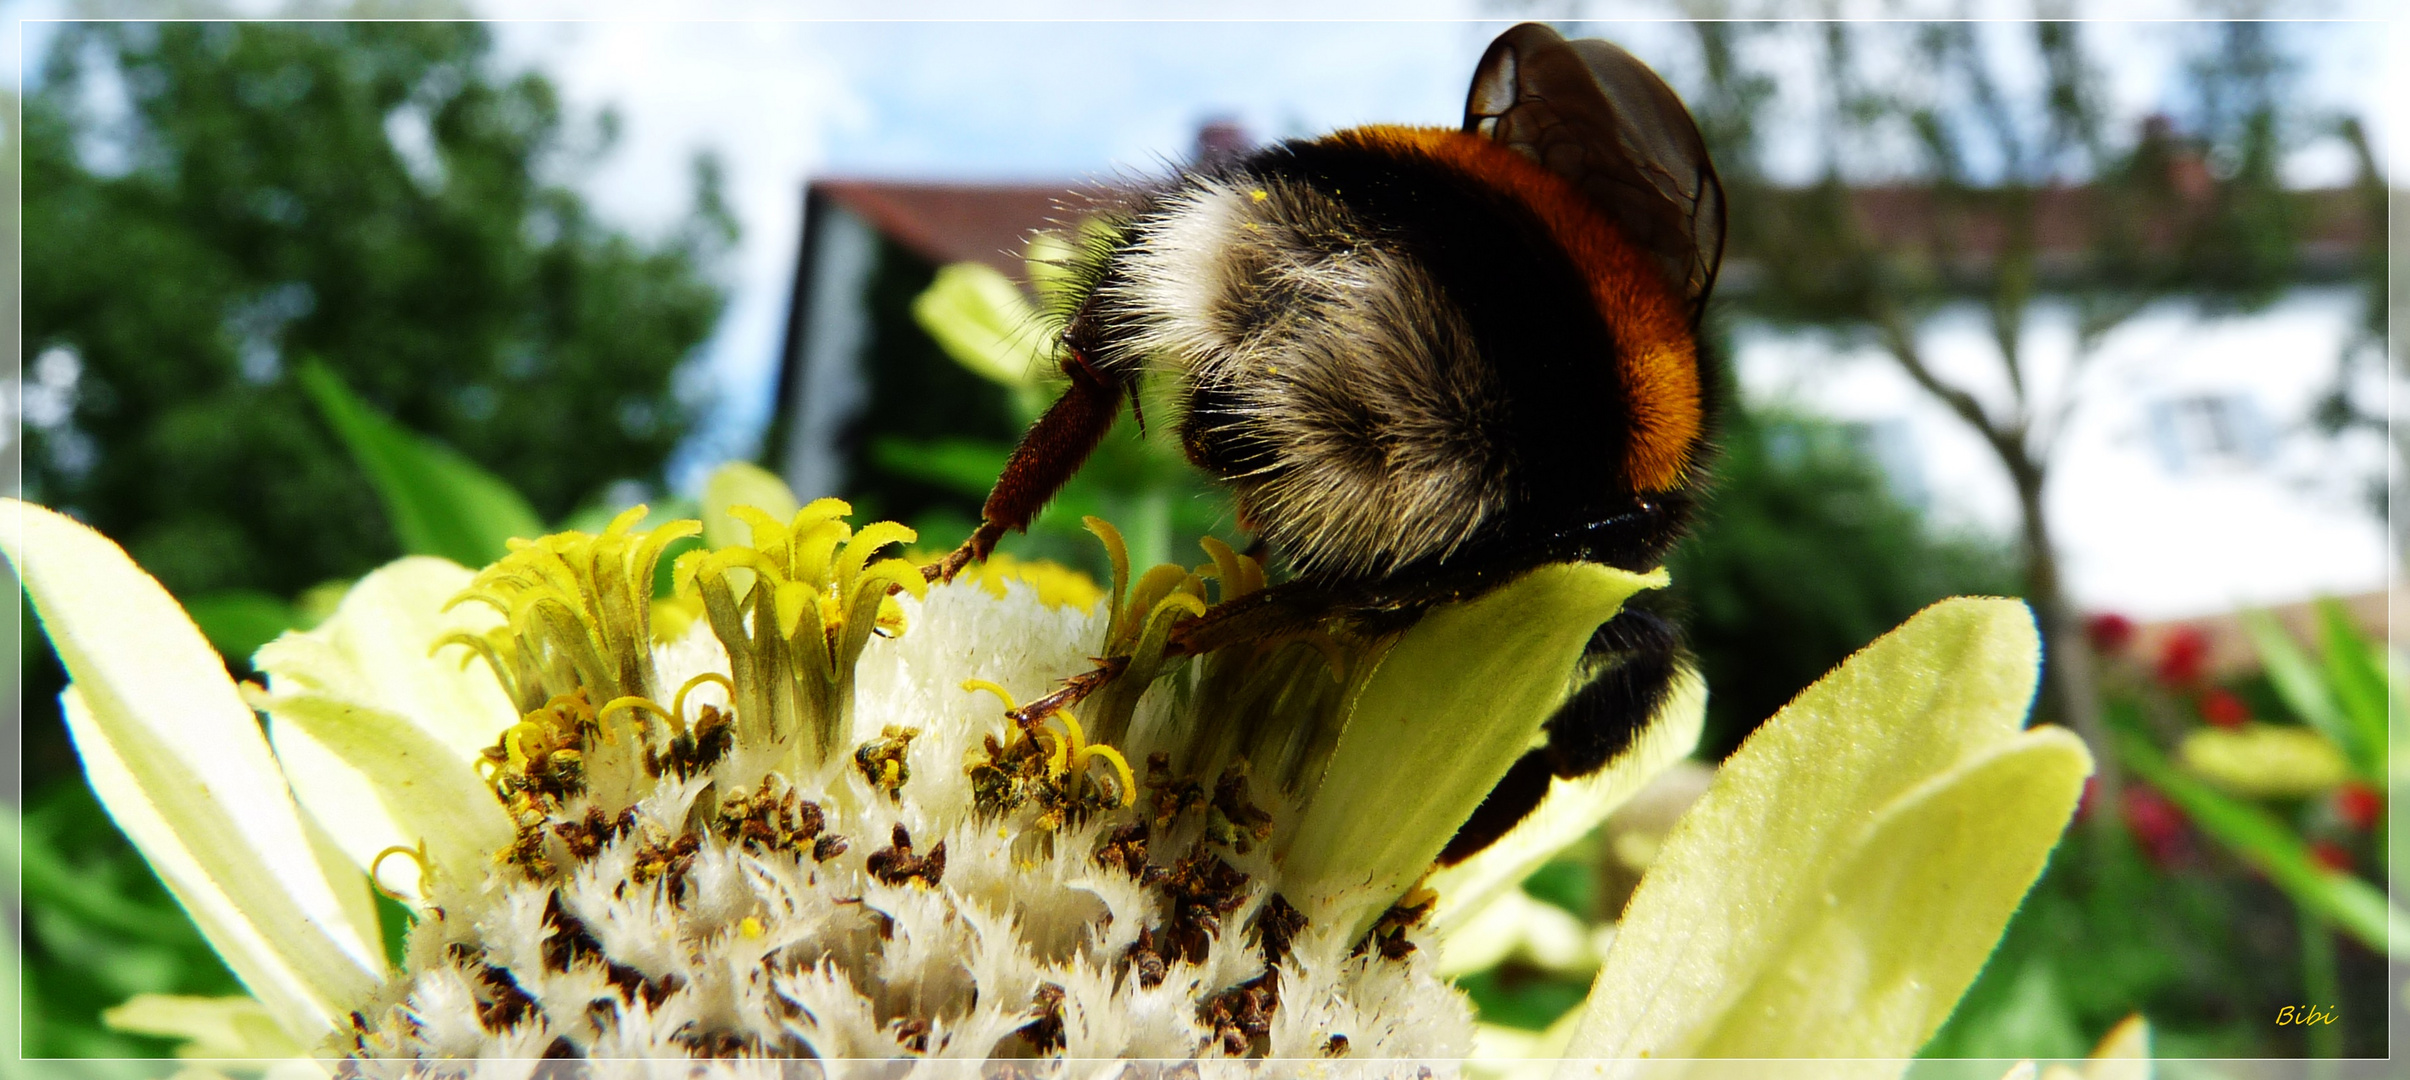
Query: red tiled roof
{"type": "Point", "coordinates": [947, 223]}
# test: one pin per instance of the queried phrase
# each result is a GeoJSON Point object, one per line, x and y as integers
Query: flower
{"type": "Point", "coordinates": [2359, 805]}
{"type": "Point", "coordinates": [2332, 856]}
{"type": "Point", "coordinates": [806, 824]}
{"type": "Point", "coordinates": [2221, 708]}
{"type": "Point", "coordinates": [2109, 632]}
{"type": "Point", "coordinates": [2183, 655]}
{"type": "Point", "coordinates": [2156, 824]}
{"type": "Point", "coordinates": [809, 821]}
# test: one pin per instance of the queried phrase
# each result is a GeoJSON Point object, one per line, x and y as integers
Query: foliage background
{"type": "Point", "coordinates": [382, 199]}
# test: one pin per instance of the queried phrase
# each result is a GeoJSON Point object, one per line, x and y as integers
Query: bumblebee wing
{"type": "Point", "coordinates": [1595, 115]}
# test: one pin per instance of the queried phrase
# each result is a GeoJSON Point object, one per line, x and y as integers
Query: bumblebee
{"type": "Point", "coordinates": [1425, 360]}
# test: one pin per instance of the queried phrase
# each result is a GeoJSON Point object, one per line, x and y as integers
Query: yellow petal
{"type": "Point", "coordinates": [181, 765]}
{"type": "Point", "coordinates": [223, 1027]}
{"type": "Point", "coordinates": [1853, 863]}
{"type": "Point", "coordinates": [1440, 717]}
{"type": "Point", "coordinates": [740, 483]}
{"type": "Point", "coordinates": [1872, 967]}
{"type": "Point", "coordinates": [1572, 808]}
{"type": "Point", "coordinates": [2266, 760]}
{"type": "Point", "coordinates": [377, 650]}
{"type": "Point", "coordinates": [420, 791]}
{"type": "Point", "coordinates": [982, 320]}
{"type": "Point", "coordinates": [2124, 1053]}
{"type": "Point", "coordinates": [432, 714]}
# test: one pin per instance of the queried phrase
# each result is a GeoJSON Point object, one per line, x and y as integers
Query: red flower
{"type": "Point", "coordinates": [2156, 824]}
{"type": "Point", "coordinates": [2183, 655]}
{"type": "Point", "coordinates": [2332, 856]}
{"type": "Point", "coordinates": [2221, 708]}
{"type": "Point", "coordinates": [2359, 805]}
{"type": "Point", "coordinates": [2110, 632]}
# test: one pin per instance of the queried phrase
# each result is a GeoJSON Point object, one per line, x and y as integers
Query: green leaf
{"type": "Point", "coordinates": [2268, 844]}
{"type": "Point", "coordinates": [440, 503]}
{"type": "Point", "coordinates": [2296, 678]}
{"type": "Point", "coordinates": [2355, 670]}
{"type": "Point", "coordinates": [969, 466]}
{"type": "Point", "coordinates": [239, 621]}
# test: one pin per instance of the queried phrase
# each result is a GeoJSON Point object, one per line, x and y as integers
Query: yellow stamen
{"type": "Point", "coordinates": [1058, 762]}
{"type": "Point", "coordinates": [640, 705]}
{"type": "Point", "coordinates": [677, 705]}
{"type": "Point", "coordinates": [750, 927]}
{"type": "Point", "coordinates": [514, 741]}
{"type": "Point", "coordinates": [1121, 769]}
{"type": "Point", "coordinates": [1079, 735]}
{"type": "Point", "coordinates": [976, 685]}
{"type": "Point", "coordinates": [414, 854]}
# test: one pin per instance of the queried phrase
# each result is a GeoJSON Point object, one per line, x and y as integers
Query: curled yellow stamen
{"type": "Point", "coordinates": [1058, 762]}
{"type": "Point", "coordinates": [414, 854]}
{"type": "Point", "coordinates": [976, 685]}
{"type": "Point", "coordinates": [1079, 735]}
{"type": "Point", "coordinates": [677, 705]}
{"type": "Point", "coordinates": [1121, 769]}
{"type": "Point", "coordinates": [640, 705]}
{"type": "Point", "coordinates": [514, 741]}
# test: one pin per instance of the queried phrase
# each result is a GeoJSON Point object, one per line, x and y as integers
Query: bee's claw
{"type": "Point", "coordinates": [975, 549]}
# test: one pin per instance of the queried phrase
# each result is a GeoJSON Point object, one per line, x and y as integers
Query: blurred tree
{"type": "Point", "coordinates": [207, 206]}
{"type": "Point", "coordinates": [1803, 554]}
{"type": "Point", "coordinates": [1997, 172]}
{"type": "Point", "coordinates": [376, 195]}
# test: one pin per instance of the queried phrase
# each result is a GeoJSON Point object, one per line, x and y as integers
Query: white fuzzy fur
{"type": "Point", "coordinates": [1354, 375]}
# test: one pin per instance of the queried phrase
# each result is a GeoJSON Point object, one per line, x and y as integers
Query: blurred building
{"type": "Point", "coordinates": [2191, 480]}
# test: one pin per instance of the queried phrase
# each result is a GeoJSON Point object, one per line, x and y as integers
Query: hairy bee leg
{"type": "Point", "coordinates": [1053, 449]}
{"type": "Point", "coordinates": [1074, 689]}
{"type": "Point", "coordinates": [1635, 656]}
{"type": "Point", "coordinates": [1285, 610]}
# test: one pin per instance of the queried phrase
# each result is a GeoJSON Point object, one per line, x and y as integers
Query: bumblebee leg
{"type": "Point", "coordinates": [1632, 660]}
{"type": "Point", "coordinates": [1074, 689]}
{"type": "Point", "coordinates": [1052, 450]}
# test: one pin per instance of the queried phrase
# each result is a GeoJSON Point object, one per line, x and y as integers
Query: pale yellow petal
{"type": "Point", "coordinates": [740, 483]}
{"type": "Point", "coordinates": [182, 765]}
{"type": "Point", "coordinates": [1874, 965]}
{"type": "Point", "coordinates": [1754, 870]}
{"type": "Point", "coordinates": [303, 968]}
{"type": "Point", "coordinates": [220, 1027]}
{"type": "Point", "coordinates": [426, 795]}
{"type": "Point", "coordinates": [1437, 720]}
{"type": "Point", "coordinates": [350, 884]}
{"type": "Point", "coordinates": [379, 650]}
{"type": "Point", "coordinates": [1572, 808]}
{"type": "Point", "coordinates": [2266, 760]}
{"type": "Point", "coordinates": [2124, 1053]}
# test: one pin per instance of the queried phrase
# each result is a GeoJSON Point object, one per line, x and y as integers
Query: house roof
{"type": "Point", "coordinates": [947, 223]}
{"type": "Point", "coordinates": [990, 223]}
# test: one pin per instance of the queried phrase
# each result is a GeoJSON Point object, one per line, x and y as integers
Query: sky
{"type": "Point", "coordinates": [786, 93]}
